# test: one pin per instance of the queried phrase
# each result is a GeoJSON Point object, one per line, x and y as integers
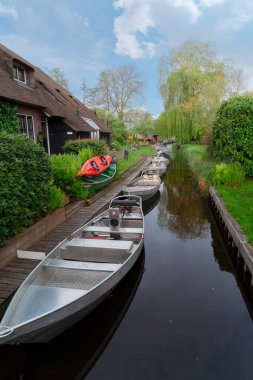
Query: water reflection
{"type": "Point", "coordinates": [150, 203]}
{"type": "Point", "coordinates": [181, 210]}
{"type": "Point", "coordinates": [71, 355]}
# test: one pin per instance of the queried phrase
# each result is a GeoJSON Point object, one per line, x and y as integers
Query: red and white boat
{"type": "Point", "coordinates": [95, 165]}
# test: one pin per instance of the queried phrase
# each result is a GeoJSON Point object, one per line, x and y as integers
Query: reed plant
{"type": "Point", "coordinates": [228, 174]}
{"type": "Point", "coordinates": [64, 169]}
{"type": "Point", "coordinates": [57, 197]}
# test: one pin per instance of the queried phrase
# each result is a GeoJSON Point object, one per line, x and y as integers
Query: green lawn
{"type": "Point", "coordinates": [199, 160]}
{"type": "Point", "coordinates": [238, 200]}
{"type": "Point", "coordinates": [133, 157]}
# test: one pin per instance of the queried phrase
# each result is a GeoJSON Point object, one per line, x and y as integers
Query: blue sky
{"type": "Point", "coordinates": [84, 37]}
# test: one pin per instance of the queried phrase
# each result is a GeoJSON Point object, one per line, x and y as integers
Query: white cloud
{"type": "Point", "coordinates": [135, 19]}
{"type": "Point", "coordinates": [138, 19]}
{"type": "Point", "coordinates": [211, 3]}
{"type": "Point", "coordinates": [11, 11]}
{"type": "Point", "coordinates": [144, 26]}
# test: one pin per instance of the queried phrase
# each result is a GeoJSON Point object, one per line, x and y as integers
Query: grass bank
{"type": "Point", "coordinates": [134, 156]}
{"type": "Point", "coordinates": [238, 200]}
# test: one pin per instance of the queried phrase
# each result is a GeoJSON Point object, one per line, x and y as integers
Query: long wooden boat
{"type": "Point", "coordinates": [100, 180]}
{"type": "Point", "coordinates": [160, 158]}
{"type": "Point", "coordinates": [95, 165]}
{"type": "Point", "coordinates": [160, 166]}
{"type": "Point", "coordinates": [76, 275]}
{"type": "Point", "coordinates": [145, 186]}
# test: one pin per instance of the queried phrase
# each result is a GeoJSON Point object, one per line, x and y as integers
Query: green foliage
{"type": "Point", "coordinates": [8, 118]}
{"type": "Point", "coordinates": [233, 132]}
{"type": "Point", "coordinates": [194, 82]}
{"type": "Point", "coordinates": [174, 124]}
{"type": "Point", "coordinates": [228, 174]}
{"type": "Point", "coordinates": [25, 173]}
{"type": "Point", "coordinates": [57, 197]}
{"type": "Point", "coordinates": [201, 163]}
{"type": "Point", "coordinates": [118, 129]}
{"type": "Point", "coordinates": [65, 167]}
{"type": "Point", "coordinates": [133, 157]}
{"type": "Point", "coordinates": [74, 146]}
{"type": "Point", "coordinates": [115, 145]}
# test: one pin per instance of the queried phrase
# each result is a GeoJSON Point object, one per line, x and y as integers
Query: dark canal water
{"type": "Point", "coordinates": [181, 313]}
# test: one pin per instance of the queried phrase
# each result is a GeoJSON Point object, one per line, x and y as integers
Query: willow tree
{"type": "Point", "coordinates": [193, 82]}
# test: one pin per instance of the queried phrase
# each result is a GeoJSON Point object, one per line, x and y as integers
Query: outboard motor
{"type": "Point", "coordinates": [114, 222]}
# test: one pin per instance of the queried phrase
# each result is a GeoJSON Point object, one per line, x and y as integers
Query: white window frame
{"type": "Point", "coordinates": [94, 135]}
{"type": "Point", "coordinates": [17, 68]}
{"type": "Point", "coordinates": [27, 125]}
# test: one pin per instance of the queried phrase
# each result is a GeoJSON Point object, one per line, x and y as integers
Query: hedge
{"type": "Point", "coordinates": [8, 118]}
{"type": "Point", "coordinates": [233, 132]}
{"type": "Point", "coordinates": [75, 146]}
{"type": "Point", "coordinates": [25, 174]}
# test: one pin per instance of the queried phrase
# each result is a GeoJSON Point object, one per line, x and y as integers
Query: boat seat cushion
{"type": "Point", "coordinates": [97, 250]}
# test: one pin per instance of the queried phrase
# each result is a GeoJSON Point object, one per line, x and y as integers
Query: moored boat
{"type": "Point", "coordinates": [160, 166]}
{"type": "Point", "coordinates": [145, 186]}
{"type": "Point", "coordinates": [101, 180]}
{"type": "Point", "coordinates": [95, 165]}
{"type": "Point", "coordinates": [160, 158]}
{"type": "Point", "coordinates": [76, 275]}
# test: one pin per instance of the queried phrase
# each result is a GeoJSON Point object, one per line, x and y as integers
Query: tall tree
{"type": "Point", "coordinates": [140, 121]}
{"type": "Point", "coordinates": [57, 74]}
{"type": "Point", "coordinates": [116, 90]}
{"type": "Point", "coordinates": [192, 84]}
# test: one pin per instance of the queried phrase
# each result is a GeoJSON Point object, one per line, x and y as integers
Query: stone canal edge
{"type": "Point", "coordinates": [232, 233]}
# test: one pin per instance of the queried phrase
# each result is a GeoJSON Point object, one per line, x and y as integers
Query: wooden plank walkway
{"type": "Point", "coordinates": [14, 273]}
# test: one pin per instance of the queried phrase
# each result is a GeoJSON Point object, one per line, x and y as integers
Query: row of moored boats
{"type": "Point", "coordinates": [84, 268]}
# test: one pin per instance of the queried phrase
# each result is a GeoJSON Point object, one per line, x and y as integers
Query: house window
{"type": "Point", "coordinates": [95, 134]}
{"type": "Point", "coordinates": [26, 125]}
{"type": "Point", "coordinates": [19, 73]}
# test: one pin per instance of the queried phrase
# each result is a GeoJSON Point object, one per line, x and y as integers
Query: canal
{"type": "Point", "coordinates": [181, 313]}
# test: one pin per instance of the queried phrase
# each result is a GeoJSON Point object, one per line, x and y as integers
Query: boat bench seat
{"type": "Point", "coordinates": [120, 230]}
{"type": "Point", "coordinates": [98, 250]}
{"type": "Point", "coordinates": [69, 264]}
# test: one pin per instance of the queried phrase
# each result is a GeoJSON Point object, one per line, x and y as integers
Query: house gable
{"type": "Point", "coordinates": [28, 86]}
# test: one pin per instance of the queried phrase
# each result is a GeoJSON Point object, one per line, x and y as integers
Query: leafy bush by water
{"type": "Point", "coordinates": [233, 132]}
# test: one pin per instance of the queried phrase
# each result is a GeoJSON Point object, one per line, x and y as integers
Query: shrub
{"type": "Point", "coordinates": [75, 146]}
{"type": "Point", "coordinates": [115, 145]}
{"type": "Point", "coordinates": [228, 174]}
{"type": "Point", "coordinates": [8, 118]}
{"type": "Point", "coordinates": [233, 132]}
{"type": "Point", "coordinates": [57, 197]}
{"type": "Point", "coordinates": [25, 173]}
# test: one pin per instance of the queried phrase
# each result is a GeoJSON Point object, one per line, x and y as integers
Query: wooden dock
{"type": "Point", "coordinates": [14, 273]}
